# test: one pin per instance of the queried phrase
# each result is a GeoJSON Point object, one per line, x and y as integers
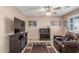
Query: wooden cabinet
{"type": "Point", "coordinates": [15, 43]}
{"type": "Point", "coordinates": [18, 42]}
{"type": "Point", "coordinates": [44, 33]}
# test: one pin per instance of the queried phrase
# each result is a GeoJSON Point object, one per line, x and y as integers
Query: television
{"type": "Point", "coordinates": [19, 25]}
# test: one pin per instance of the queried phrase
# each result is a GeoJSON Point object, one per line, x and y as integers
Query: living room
{"type": "Point", "coordinates": [56, 20]}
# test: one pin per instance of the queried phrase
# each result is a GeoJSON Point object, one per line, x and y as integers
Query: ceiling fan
{"type": "Point", "coordinates": [49, 10]}
{"type": "Point", "coordinates": [53, 9]}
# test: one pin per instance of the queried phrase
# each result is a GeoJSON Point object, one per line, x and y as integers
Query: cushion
{"type": "Point", "coordinates": [66, 38]}
{"type": "Point", "coordinates": [58, 38]}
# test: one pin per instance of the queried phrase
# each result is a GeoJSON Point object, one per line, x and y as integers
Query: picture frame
{"type": "Point", "coordinates": [55, 23]}
{"type": "Point", "coordinates": [65, 23]}
{"type": "Point", "coordinates": [32, 23]}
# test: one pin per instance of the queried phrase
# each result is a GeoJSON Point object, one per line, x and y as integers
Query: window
{"type": "Point", "coordinates": [76, 24]}
{"type": "Point", "coordinates": [73, 24]}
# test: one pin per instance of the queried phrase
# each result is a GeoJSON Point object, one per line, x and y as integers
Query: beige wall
{"type": "Point", "coordinates": [6, 25]}
{"type": "Point", "coordinates": [65, 17]}
{"type": "Point", "coordinates": [44, 22]}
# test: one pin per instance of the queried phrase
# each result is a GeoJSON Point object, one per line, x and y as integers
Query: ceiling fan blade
{"type": "Point", "coordinates": [54, 12]}
{"type": "Point", "coordinates": [40, 10]}
{"type": "Point", "coordinates": [57, 8]}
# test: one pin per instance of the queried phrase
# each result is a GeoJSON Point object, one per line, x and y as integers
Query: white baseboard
{"type": "Point", "coordinates": [54, 48]}
{"type": "Point", "coordinates": [24, 48]}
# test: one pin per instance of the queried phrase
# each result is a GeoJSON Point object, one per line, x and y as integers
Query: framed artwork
{"type": "Point", "coordinates": [32, 23]}
{"type": "Point", "coordinates": [55, 23]}
{"type": "Point", "coordinates": [65, 23]}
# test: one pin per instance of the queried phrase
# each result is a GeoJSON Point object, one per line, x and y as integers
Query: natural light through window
{"type": "Point", "coordinates": [73, 24]}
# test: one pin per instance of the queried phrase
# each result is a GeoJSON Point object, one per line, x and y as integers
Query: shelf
{"type": "Point", "coordinates": [44, 34]}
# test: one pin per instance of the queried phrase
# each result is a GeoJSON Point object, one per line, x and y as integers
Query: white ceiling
{"type": "Point", "coordinates": [36, 10]}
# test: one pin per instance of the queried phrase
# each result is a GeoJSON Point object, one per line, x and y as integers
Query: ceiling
{"type": "Point", "coordinates": [37, 10]}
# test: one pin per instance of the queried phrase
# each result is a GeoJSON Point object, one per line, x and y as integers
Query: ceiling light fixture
{"type": "Point", "coordinates": [48, 14]}
{"type": "Point", "coordinates": [51, 9]}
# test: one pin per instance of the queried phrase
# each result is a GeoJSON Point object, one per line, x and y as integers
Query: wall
{"type": "Point", "coordinates": [72, 13]}
{"type": "Point", "coordinates": [44, 22]}
{"type": "Point", "coordinates": [6, 25]}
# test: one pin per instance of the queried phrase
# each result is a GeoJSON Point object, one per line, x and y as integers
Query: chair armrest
{"type": "Point", "coordinates": [55, 36]}
{"type": "Point", "coordinates": [70, 42]}
{"type": "Point", "coordinates": [59, 38]}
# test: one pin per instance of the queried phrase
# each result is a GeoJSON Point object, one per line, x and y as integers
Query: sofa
{"type": "Point", "coordinates": [68, 43]}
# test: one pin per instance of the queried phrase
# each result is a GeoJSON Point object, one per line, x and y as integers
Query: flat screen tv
{"type": "Point", "coordinates": [19, 25]}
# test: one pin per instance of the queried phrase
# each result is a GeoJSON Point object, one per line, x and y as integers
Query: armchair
{"type": "Point", "coordinates": [67, 43]}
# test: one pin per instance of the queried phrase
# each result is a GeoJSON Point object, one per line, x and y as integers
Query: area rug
{"type": "Point", "coordinates": [39, 49]}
